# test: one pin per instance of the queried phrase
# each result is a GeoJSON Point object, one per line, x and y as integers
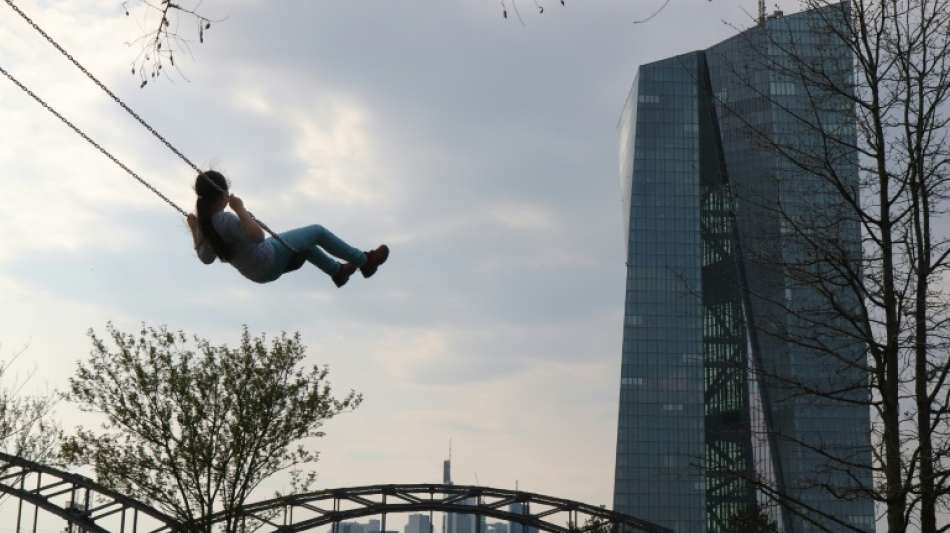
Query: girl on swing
{"type": "Point", "coordinates": [237, 239]}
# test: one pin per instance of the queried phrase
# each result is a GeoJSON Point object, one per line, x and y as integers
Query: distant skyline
{"type": "Point", "coordinates": [481, 150]}
{"type": "Point", "coordinates": [411, 523]}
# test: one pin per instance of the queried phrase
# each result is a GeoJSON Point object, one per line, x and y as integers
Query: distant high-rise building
{"type": "Point", "coordinates": [418, 523]}
{"type": "Point", "coordinates": [349, 527]}
{"type": "Point", "coordinates": [465, 523]}
{"type": "Point", "coordinates": [497, 527]}
{"type": "Point", "coordinates": [371, 526]}
{"type": "Point", "coordinates": [520, 509]}
{"type": "Point", "coordinates": [701, 198]}
{"type": "Point", "coordinates": [456, 522]}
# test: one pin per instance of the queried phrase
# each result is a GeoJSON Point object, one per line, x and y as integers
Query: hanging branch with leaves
{"type": "Point", "coordinates": [171, 34]}
{"type": "Point", "coordinates": [538, 5]}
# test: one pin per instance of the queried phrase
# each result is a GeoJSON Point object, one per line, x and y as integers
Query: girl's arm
{"type": "Point", "coordinates": [195, 232]}
{"type": "Point", "coordinates": [205, 253]}
{"type": "Point", "coordinates": [252, 230]}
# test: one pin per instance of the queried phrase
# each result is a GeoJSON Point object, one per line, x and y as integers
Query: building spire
{"type": "Point", "coordinates": [447, 467]}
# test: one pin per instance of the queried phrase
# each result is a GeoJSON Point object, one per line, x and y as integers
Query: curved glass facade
{"type": "Point", "coordinates": [705, 294]}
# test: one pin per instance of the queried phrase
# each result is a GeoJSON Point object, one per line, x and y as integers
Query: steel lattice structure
{"type": "Point", "coordinates": [92, 508]}
{"type": "Point", "coordinates": [300, 512]}
{"type": "Point", "coordinates": [76, 499]}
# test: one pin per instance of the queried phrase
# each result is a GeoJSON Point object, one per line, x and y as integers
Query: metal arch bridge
{"type": "Point", "coordinates": [84, 503]}
{"type": "Point", "coordinates": [92, 508]}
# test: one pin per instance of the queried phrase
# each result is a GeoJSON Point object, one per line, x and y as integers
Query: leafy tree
{"type": "Point", "coordinates": [594, 525]}
{"type": "Point", "coordinates": [27, 428]}
{"type": "Point", "coordinates": [195, 428]}
{"type": "Point", "coordinates": [751, 521]}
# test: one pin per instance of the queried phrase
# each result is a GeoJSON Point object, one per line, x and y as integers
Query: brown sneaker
{"type": "Point", "coordinates": [343, 275]}
{"type": "Point", "coordinates": [374, 258]}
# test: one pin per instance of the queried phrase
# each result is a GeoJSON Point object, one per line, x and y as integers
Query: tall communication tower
{"type": "Point", "coordinates": [761, 12]}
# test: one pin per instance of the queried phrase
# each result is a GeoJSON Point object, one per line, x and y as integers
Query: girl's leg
{"type": "Point", "coordinates": [308, 238]}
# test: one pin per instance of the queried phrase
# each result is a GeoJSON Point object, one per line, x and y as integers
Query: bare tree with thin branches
{"type": "Point", "coordinates": [878, 314]}
{"type": "Point", "coordinates": [169, 29]}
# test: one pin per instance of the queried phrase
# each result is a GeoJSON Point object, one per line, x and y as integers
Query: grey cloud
{"type": "Point", "coordinates": [466, 113]}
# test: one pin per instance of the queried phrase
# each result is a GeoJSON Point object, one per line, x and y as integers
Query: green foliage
{"type": "Point", "coordinates": [751, 521]}
{"type": "Point", "coordinates": [195, 428]}
{"type": "Point", "coordinates": [596, 525]}
{"type": "Point", "coordinates": [27, 428]}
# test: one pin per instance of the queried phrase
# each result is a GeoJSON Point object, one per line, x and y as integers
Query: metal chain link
{"type": "Point", "coordinates": [130, 112]}
{"type": "Point", "coordinates": [102, 86]}
{"type": "Point", "coordinates": [92, 142]}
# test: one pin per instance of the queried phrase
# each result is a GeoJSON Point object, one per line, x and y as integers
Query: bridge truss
{"type": "Point", "coordinates": [301, 512]}
{"type": "Point", "coordinates": [77, 500]}
{"type": "Point", "coordinates": [91, 508]}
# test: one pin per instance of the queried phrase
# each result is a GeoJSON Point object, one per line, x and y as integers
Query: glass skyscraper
{"type": "Point", "coordinates": [706, 242]}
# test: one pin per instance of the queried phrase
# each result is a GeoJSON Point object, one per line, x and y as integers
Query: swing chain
{"type": "Point", "coordinates": [92, 142]}
{"type": "Point", "coordinates": [102, 86]}
{"type": "Point", "coordinates": [130, 112]}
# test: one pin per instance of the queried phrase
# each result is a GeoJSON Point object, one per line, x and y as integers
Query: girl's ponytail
{"type": "Point", "coordinates": [211, 187]}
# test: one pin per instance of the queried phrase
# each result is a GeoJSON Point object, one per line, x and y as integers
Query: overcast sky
{"type": "Point", "coordinates": [482, 151]}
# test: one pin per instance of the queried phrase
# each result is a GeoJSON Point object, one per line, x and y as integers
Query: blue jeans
{"type": "Point", "coordinates": [306, 241]}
